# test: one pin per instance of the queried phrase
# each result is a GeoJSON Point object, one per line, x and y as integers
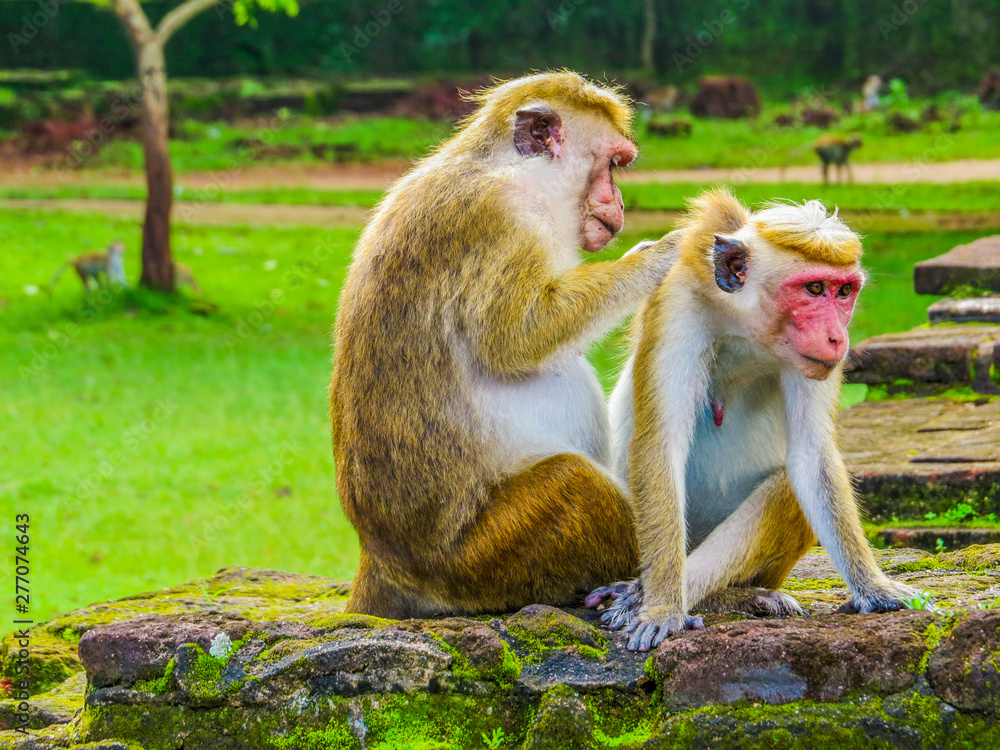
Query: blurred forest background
{"type": "Point", "coordinates": [782, 45]}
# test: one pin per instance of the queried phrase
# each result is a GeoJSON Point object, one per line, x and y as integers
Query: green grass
{"type": "Point", "coordinates": [760, 143]}
{"type": "Point", "coordinates": [714, 143]}
{"type": "Point", "coordinates": [152, 445]}
{"type": "Point", "coordinates": [967, 197]}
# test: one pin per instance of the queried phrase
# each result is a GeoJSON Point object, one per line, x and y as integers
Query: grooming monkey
{"type": "Point", "coordinates": [836, 150]}
{"type": "Point", "coordinates": [107, 267]}
{"type": "Point", "coordinates": [723, 421]}
{"type": "Point", "coordinates": [470, 433]}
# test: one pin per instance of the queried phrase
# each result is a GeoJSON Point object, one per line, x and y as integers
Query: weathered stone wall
{"type": "Point", "coordinates": [257, 659]}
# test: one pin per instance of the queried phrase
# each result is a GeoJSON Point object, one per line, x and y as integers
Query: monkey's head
{"type": "Point", "coordinates": [562, 137]}
{"type": "Point", "coordinates": [116, 247]}
{"type": "Point", "coordinates": [793, 272]}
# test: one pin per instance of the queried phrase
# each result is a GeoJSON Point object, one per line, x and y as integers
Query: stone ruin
{"type": "Point", "coordinates": [256, 659]}
{"type": "Point", "coordinates": [934, 438]}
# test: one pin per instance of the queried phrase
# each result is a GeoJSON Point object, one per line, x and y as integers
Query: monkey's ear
{"type": "Point", "coordinates": [537, 130]}
{"type": "Point", "coordinates": [730, 263]}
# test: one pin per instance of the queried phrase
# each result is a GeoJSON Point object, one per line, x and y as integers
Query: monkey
{"type": "Point", "coordinates": [469, 431]}
{"type": "Point", "coordinates": [109, 266]}
{"type": "Point", "coordinates": [836, 150]}
{"type": "Point", "coordinates": [723, 421]}
{"type": "Point", "coordinates": [184, 276]}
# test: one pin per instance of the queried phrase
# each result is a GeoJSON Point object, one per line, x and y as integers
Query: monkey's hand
{"type": "Point", "coordinates": [651, 625]}
{"type": "Point", "coordinates": [885, 596]}
{"type": "Point", "coordinates": [660, 253]}
{"type": "Point", "coordinates": [640, 247]}
{"type": "Point", "coordinates": [625, 596]}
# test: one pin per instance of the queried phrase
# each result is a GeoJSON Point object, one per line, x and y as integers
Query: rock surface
{"type": "Point", "coordinates": [976, 264]}
{"type": "Point", "coordinates": [922, 455]}
{"type": "Point", "coordinates": [970, 310]}
{"type": "Point", "coordinates": [259, 659]}
{"type": "Point", "coordinates": [962, 355]}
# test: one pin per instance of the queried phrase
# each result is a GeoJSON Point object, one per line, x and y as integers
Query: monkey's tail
{"type": "Point", "coordinates": [55, 277]}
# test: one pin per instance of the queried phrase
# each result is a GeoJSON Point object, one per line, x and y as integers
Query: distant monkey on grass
{"type": "Point", "coordinates": [469, 430]}
{"type": "Point", "coordinates": [724, 421]}
{"type": "Point", "coordinates": [100, 268]}
{"type": "Point", "coordinates": [836, 150]}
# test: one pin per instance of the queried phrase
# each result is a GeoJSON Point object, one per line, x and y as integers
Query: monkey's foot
{"type": "Point", "coordinates": [751, 600]}
{"type": "Point", "coordinates": [888, 597]}
{"type": "Point", "coordinates": [650, 629]}
{"type": "Point", "coordinates": [625, 596]}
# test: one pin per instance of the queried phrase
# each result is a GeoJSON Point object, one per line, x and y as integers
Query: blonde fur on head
{"type": "Point", "coordinates": [499, 103]}
{"type": "Point", "coordinates": [808, 229]}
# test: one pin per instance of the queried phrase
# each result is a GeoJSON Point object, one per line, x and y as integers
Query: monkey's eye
{"type": "Point", "coordinates": [815, 288]}
{"type": "Point", "coordinates": [845, 290]}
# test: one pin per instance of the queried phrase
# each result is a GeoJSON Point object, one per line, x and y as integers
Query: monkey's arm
{"type": "Point", "coordinates": [822, 485]}
{"type": "Point", "coordinates": [516, 324]}
{"type": "Point", "coordinates": [671, 382]}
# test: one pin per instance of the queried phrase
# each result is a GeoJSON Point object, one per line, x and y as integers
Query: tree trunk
{"type": "Point", "coordinates": [157, 263]}
{"type": "Point", "coordinates": [648, 37]}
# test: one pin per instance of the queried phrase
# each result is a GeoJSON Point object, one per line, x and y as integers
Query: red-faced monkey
{"type": "Point", "coordinates": [470, 433]}
{"type": "Point", "coordinates": [107, 267]}
{"type": "Point", "coordinates": [723, 420]}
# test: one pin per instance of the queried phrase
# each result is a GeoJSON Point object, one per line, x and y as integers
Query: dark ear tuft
{"type": "Point", "coordinates": [537, 130]}
{"type": "Point", "coordinates": [730, 263]}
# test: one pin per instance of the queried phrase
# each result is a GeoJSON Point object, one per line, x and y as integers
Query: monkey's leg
{"type": "Point", "coordinates": [373, 592]}
{"type": "Point", "coordinates": [746, 557]}
{"type": "Point", "coordinates": [559, 528]}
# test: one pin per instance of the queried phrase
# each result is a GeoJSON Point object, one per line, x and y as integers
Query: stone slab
{"type": "Point", "coordinates": [952, 537]}
{"type": "Point", "coordinates": [919, 455]}
{"type": "Point", "coordinates": [964, 355]}
{"type": "Point", "coordinates": [534, 678]}
{"type": "Point", "coordinates": [976, 264]}
{"type": "Point", "coordinates": [971, 310]}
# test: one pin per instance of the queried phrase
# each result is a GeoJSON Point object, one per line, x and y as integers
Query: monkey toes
{"type": "Point", "coordinates": [625, 596]}
{"type": "Point", "coordinates": [652, 632]}
{"type": "Point", "coordinates": [894, 596]}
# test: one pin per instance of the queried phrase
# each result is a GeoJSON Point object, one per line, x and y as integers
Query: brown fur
{"type": "Point", "coordinates": [448, 286]}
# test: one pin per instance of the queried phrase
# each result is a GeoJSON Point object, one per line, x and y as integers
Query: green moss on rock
{"type": "Point", "coordinates": [52, 659]}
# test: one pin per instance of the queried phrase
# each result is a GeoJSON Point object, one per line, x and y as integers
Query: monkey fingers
{"type": "Point", "coordinates": [647, 635]}
{"type": "Point", "coordinates": [612, 591]}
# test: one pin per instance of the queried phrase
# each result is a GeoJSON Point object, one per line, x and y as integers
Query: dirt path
{"type": "Point", "coordinates": [378, 176]}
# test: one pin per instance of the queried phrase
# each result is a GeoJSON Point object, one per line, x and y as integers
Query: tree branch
{"type": "Point", "coordinates": [179, 16]}
{"type": "Point", "coordinates": [134, 20]}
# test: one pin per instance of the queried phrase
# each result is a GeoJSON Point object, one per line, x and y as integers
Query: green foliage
{"type": "Point", "coordinates": [960, 512]}
{"type": "Point", "coordinates": [494, 740]}
{"type": "Point", "coordinates": [922, 601]}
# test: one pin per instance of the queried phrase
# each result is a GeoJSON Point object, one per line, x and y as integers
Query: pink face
{"type": "Point", "coordinates": [603, 207]}
{"type": "Point", "coordinates": [814, 307]}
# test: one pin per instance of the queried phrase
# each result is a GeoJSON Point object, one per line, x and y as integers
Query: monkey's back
{"type": "Point", "coordinates": [409, 468]}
